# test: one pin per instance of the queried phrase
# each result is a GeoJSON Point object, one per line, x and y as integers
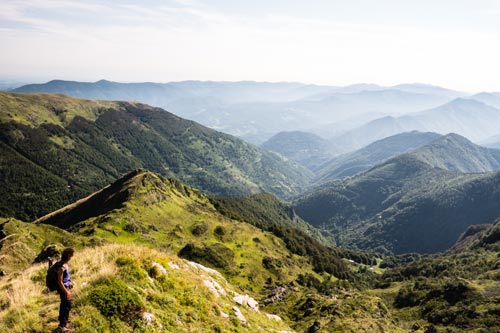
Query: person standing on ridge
{"type": "Point", "coordinates": [63, 286]}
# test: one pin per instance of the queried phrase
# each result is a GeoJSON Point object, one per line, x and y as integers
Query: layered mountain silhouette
{"type": "Point", "coordinates": [415, 202]}
{"type": "Point", "coordinates": [492, 99]}
{"type": "Point", "coordinates": [56, 149]}
{"type": "Point", "coordinates": [155, 253]}
{"type": "Point", "coordinates": [467, 117]}
{"type": "Point", "coordinates": [455, 153]}
{"type": "Point", "coordinates": [305, 148]}
{"type": "Point", "coordinates": [258, 110]}
{"type": "Point", "coordinates": [365, 158]}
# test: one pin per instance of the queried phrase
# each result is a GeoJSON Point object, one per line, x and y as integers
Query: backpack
{"type": "Point", "coordinates": [51, 277]}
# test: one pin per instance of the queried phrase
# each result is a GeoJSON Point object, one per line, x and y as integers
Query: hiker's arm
{"type": "Point", "coordinates": [60, 273]}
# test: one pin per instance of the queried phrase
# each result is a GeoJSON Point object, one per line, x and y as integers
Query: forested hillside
{"type": "Point", "coordinates": [56, 149]}
{"type": "Point", "coordinates": [403, 205]}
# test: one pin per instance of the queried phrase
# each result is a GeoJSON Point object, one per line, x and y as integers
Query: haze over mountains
{"type": "Point", "coordinates": [305, 148]}
{"type": "Point", "coordinates": [76, 146]}
{"type": "Point", "coordinates": [420, 201]}
{"type": "Point", "coordinates": [473, 119]}
{"type": "Point", "coordinates": [325, 262]}
{"type": "Point", "coordinates": [257, 110]}
{"type": "Point", "coordinates": [57, 148]}
{"type": "Point", "coordinates": [365, 158]}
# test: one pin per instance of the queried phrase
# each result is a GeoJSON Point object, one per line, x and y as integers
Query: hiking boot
{"type": "Point", "coordinates": [62, 329]}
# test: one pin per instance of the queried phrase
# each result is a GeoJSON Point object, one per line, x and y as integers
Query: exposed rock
{"type": "Point", "coordinates": [248, 301]}
{"type": "Point", "coordinates": [214, 287]}
{"type": "Point", "coordinates": [224, 315]}
{"type": "Point", "coordinates": [148, 318]}
{"type": "Point", "coordinates": [253, 304]}
{"type": "Point", "coordinates": [51, 251]}
{"type": "Point", "coordinates": [272, 316]}
{"type": "Point", "coordinates": [203, 268]}
{"type": "Point", "coordinates": [239, 315]}
{"type": "Point", "coordinates": [276, 295]}
{"type": "Point", "coordinates": [173, 265]}
{"type": "Point", "coordinates": [160, 268]}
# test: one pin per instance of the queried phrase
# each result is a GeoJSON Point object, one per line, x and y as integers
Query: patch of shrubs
{"type": "Point", "coordinates": [136, 228]}
{"type": "Point", "coordinates": [114, 299]}
{"type": "Point", "coordinates": [271, 264]}
{"type": "Point", "coordinates": [199, 229]}
{"type": "Point", "coordinates": [215, 255]}
{"type": "Point", "coordinates": [130, 269]}
{"type": "Point", "coordinates": [448, 303]}
{"type": "Point", "coordinates": [220, 232]}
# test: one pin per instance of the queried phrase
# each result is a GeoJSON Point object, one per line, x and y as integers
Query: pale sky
{"type": "Point", "coordinates": [455, 44]}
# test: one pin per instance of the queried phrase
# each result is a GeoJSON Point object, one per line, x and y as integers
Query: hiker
{"type": "Point", "coordinates": [63, 286]}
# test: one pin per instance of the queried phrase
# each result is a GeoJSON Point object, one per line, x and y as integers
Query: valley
{"type": "Point", "coordinates": [184, 221]}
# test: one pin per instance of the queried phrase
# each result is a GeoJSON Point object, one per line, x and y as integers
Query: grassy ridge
{"type": "Point", "coordinates": [145, 208]}
{"type": "Point", "coordinates": [175, 219]}
{"type": "Point", "coordinates": [157, 218]}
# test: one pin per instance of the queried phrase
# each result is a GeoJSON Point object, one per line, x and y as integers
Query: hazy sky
{"type": "Point", "coordinates": [450, 43]}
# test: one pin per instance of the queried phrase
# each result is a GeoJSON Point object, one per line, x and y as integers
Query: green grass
{"type": "Point", "coordinates": [108, 299]}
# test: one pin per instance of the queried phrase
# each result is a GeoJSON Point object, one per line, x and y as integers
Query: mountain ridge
{"type": "Point", "coordinates": [305, 148]}
{"type": "Point", "coordinates": [467, 117]}
{"type": "Point", "coordinates": [404, 204]}
{"type": "Point", "coordinates": [96, 142]}
{"type": "Point", "coordinates": [258, 110]}
{"type": "Point", "coordinates": [377, 152]}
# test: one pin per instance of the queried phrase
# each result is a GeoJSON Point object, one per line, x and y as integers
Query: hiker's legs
{"type": "Point", "coordinates": [64, 309]}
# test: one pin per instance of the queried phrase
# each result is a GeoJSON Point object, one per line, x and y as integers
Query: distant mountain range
{"type": "Point", "coordinates": [365, 158]}
{"type": "Point", "coordinates": [258, 110]}
{"type": "Point", "coordinates": [492, 99]}
{"type": "Point", "coordinates": [6, 85]}
{"type": "Point", "coordinates": [468, 117]}
{"type": "Point", "coordinates": [55, 149]}
{"type": "Point", "coordinates": [455, 153]}
{"type": "Point", "coordinates": [156, 254]}
{"type": "Point", "coordinates": [305, 148]}
{"type": "Point", "coordinates": [415, 202]}
{"type": "Point", "coordinates": [491, 142]}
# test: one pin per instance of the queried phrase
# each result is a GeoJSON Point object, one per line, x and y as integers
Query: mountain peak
{"type": "Point", "coordinates": [464, 102]}
{"type": "Point", "coordinates": [454, 152]}
{"type": "Point", "coordinates": [455, 137]}
{"type": "Point", "coordinates": [140, 184]}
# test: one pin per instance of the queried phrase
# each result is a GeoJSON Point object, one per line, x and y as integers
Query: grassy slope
{"type": "Point", "coordinates": [454, 293]}
{"type": "Point", "coordinates": [152, 210]}
{"type": "Point", "coordinates": [178, 300]}
{"type": "Point", "coordinates": [167, 215]}
{"type": "Point", "coordinates": [87, 144]}
{"type": "Point", "coordinates": [21, 243]}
